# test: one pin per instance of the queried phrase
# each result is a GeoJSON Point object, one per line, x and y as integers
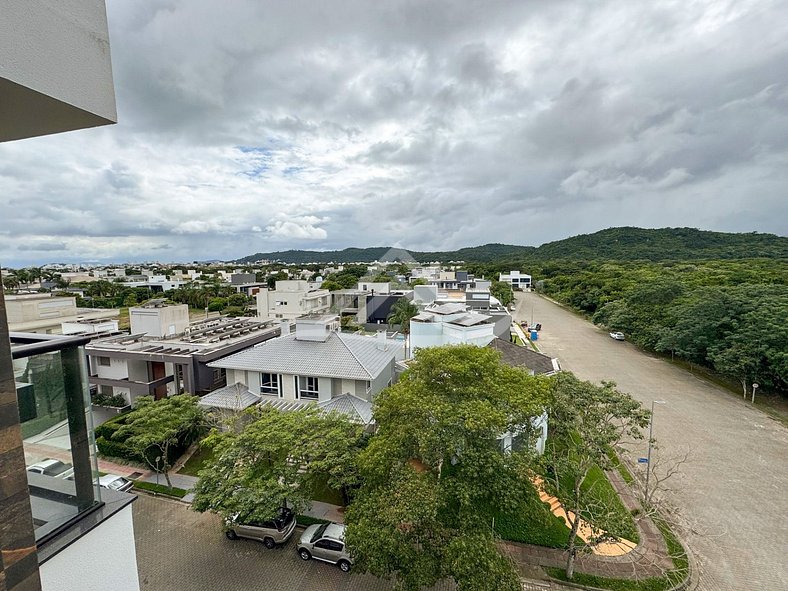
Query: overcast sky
{"type": "Point", "coordinates": [248, 126]}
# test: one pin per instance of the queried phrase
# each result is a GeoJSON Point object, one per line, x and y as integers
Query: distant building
{"type": "Point", "coordinates": [450, 324]}
{"type": "Point", "coordinates": [516, 279]}
{"type": "Point", "coordinates": [291, 299]}
{"type": "Point", "coordinates": [43, 313]}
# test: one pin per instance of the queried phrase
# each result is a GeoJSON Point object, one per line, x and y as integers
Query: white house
{"type": "Point", "coordinates": [316, 363]}
{"type": "Point", "coordinates": [516, 279]}
{"type": "Point", "coordinates": [450, 324]}
{"type": "Point", "coordinates": [291, 299]}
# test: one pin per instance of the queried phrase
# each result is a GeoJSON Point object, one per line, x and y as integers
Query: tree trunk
{"type": "Point", "coordinates": [570, 561]}
{"type": "Point", "coordinates": [744, 388]}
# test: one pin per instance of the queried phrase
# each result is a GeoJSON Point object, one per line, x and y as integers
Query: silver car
{"type": "Point", "coordinates": [275, 531]}
{"type": "Point", "coordinates": [115, 482]}
{"type": "Point", "coordinates": [325, 542]}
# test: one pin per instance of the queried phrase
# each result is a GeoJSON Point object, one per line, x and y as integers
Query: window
{"type": "Point", "coordinates": [307, 387]}
{"type": "Point", "coordinates": [104, 361]}
{"type": "Point", "coordinates": [269, 384]}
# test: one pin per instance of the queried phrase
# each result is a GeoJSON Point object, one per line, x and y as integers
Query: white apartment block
{"type": "Point", "coordinates": [291, 299]}
{"type": "Point", "coordinates": [516, 279]}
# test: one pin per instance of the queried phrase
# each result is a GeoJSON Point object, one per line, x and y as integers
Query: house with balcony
{"type": "Point", "coordinates": [291, 299]}
{"type": "Point", "coordinates": [316, 363]}
{"type": "Point", "coordinates": [166, 354]}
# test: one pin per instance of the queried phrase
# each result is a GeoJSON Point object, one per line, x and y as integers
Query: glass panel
{"type": "Point", "coordinates": [57, 433]}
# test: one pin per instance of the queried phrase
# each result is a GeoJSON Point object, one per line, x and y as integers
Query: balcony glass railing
{"type": "Point", "coordinates": [57, 431]}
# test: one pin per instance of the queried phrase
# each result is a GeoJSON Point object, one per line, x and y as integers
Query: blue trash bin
{"type": "Point", "coordinates": [534, 335]}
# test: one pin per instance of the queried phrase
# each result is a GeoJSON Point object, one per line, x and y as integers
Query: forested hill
{"type": "Point", "coordinates": [624, 244]}
{"type": "Point", "coordinates": [486, 253]}
{"type": "Point", "coordinates": [665, 244]}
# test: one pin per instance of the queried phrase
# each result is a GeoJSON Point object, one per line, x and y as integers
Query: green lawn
{"type": "Point", "coordinates": [655, 584]}
{"type": "Point", "coordinates": [533, 524]}
{"type": "Point", "coordinates": [324, 493]}
{"type": "Point", "coordinates": [197, 461]}
{"type": "Point", "coordinates": [162, 489]}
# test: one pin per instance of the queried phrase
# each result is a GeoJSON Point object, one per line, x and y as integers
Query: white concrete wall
{"type": "Point", "coordinates": [101, 560]}
{"type": "Point", "coordinates": [55, 71]}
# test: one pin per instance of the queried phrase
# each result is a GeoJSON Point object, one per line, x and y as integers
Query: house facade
{"type": "Point", "coordinates": [316, 363]}
{"type": "Point", "coordinates": [516, 279]}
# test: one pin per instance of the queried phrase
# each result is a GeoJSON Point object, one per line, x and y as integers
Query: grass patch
{"type": "Point", "coordinates": [325, 494]}
{"type": "Point", "coordinates": [534, 524]}
{"type": "Point", "coordinates": [162, 489]}
{"type": "Point", "coordinates": [654, 584]}
{"type": "Point", "coordinates": [197, 460]}
{"type": "Point", "coordinates": [306, 520]}
{"type": "Point", "coordinates": [618, 465]}
{"type": "Point", "coordinates": [598, 487]}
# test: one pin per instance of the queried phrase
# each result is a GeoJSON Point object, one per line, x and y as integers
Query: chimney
{"type": "Point", "coordinates": [382, 343]}
{"type": "Point", "coordinates": [284, 326]}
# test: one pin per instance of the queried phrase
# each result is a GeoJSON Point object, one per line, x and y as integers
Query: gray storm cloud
{"type": "Point", "coordinates": [252, 126]}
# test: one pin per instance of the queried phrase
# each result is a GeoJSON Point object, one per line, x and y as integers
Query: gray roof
{"type": "Point", "coordinates": [235, 397]}
{"type": "Point", "coordinates": [339, 356]}
{"type": "Point", "coordinates": [358, 409]}
{"type": "Point", "coordinates": [519, 356]}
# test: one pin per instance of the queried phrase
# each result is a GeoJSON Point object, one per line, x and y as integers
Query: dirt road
{"type": "Point", "coordinates": [734, 492]}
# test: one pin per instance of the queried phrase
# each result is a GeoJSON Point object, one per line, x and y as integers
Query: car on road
{"type": "Point", "coordinates": [273, 532]}
{"type": "Point", "coordinates": [51, 468]}
{"type": "Point", "coordinates": [115, 482]}
{"type": "Point", "coordinates": [325, 542]}
{"type": "Point", "coordinates": [619, 336]}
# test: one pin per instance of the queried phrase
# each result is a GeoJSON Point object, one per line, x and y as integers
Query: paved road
{"type": "Point", "coordinates": [735, 490]}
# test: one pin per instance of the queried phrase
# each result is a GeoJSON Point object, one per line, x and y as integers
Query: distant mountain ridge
{"type": "Point", "coordinates": [624, 243]}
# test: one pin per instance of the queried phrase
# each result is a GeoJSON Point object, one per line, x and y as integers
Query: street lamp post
{"type": "Point", "coordinates": [650, 439]}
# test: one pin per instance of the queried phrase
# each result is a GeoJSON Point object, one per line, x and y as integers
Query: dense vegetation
{"type": "Point", "coordinates": [725, 315]}
{"type": "Point", "coordinates": [613, 244]}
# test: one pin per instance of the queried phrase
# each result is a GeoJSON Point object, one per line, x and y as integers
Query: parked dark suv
{"type": "Point", "coordinates": [275, 531]}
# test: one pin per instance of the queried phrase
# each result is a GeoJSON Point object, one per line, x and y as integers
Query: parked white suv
{"type": "Point", "coordinates": [325, 542]}
{"type": "Point", "coordinates": [51, 468]}
{"type": "Point", "coordinates": [619, 336]}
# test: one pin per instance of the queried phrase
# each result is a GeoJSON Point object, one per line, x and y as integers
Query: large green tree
{"type": "Point", "coordinates": [278, 457]}
{"type": "Point", "coordinates": [434, 475]}
{"type": "Point", "coordinates": [153, 427]}
{"type": "Point", "coordinates": [586, 421]}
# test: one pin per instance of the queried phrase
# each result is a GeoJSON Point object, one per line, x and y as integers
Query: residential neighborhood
{"type": "Point", "coordinates": [399, 296]}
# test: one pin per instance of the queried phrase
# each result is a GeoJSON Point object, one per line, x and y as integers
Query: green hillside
{"type": "Point", "coordinates": [622, 244]}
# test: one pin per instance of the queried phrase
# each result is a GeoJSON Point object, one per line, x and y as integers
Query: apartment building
{"type": "Point", "coordinates": [57, 534]}
{"type": "Point", "coordinates": [291, 299]}
{"type": "Point", "coordinates": [44, 313]}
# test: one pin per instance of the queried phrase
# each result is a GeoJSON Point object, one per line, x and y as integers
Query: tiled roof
{"type": "Point", "coordinates": [235, 397]}
{"type": "Point", "coordinates": [339, 356]}
{"type": "Point", "coordinates": [519, 356]}
{"type": "Point", "coordinates": [358, 409]}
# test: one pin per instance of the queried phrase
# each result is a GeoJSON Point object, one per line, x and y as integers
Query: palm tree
{"type": "Point", "coordinates": [10, 282]}
{"type": "Point", "coordinates": [401, 313]}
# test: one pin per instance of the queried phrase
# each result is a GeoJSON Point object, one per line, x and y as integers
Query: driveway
{"type": "Point", "coordinates": [734, 491]}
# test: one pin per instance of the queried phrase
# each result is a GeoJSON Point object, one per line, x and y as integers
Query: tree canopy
{"type": "Point", "coordinates": [434, 474]}
{"type": "Point", "coordinates": [277, 458]}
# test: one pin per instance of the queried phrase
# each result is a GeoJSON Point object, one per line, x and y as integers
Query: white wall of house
{"type": "Point", "coordinates": [104, 558]}
{"type": "Point", "coordinates": [291, 299]}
